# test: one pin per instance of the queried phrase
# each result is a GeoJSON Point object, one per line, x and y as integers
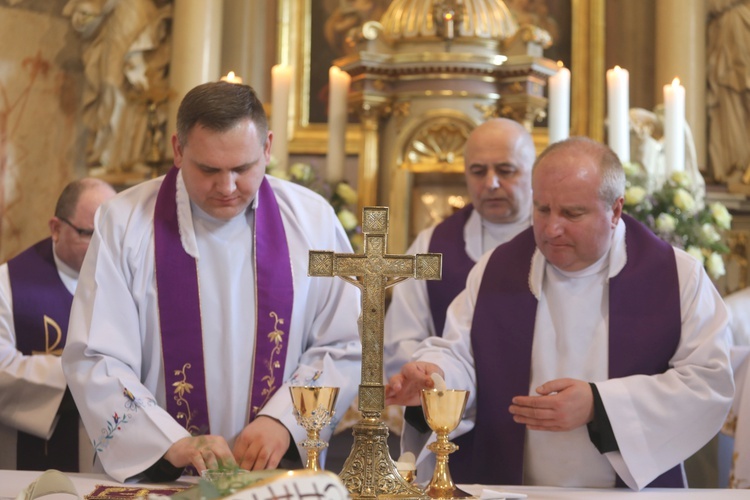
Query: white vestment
{"type": "Point", "coordinates": [114, 340]}
{"type": "Point", "coordinates": [658, 421]}
{"type": "Point", "coordinates": [408, 320]}
{"type": "Point", "coordinates": [31, 387]}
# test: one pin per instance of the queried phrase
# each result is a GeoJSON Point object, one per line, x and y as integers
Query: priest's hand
{"type": "Point", "coordinates": [262, 444]}
{"type": "Point", "coordinates": [202, 452]}
{"type": "Point", "coordinates": [405, 388]}
{"type": "Point", "coordinates": [562, 405]}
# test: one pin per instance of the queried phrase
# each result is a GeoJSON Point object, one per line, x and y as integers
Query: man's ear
{"type": "Point", "coordinates": [177, 150]}
{"type": "Point", "coordinates": [617, 210]}
{"type": "Point", "coordinates": [54, 228]}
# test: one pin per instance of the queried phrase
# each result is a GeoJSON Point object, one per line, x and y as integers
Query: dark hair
{"type": "Point", "coordinates": [219, 106]}
{"type": "Point", "coordinates": [71, 194]}
{"type": "Point", "coordinates": [613, 176]}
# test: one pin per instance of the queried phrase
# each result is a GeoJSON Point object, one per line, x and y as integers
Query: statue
{"type": "Point", "coordinates": [647, 148]}
{"type": "Point", "coordinates": [728, 98]}
{"type": "Point", "coordinates": [125, 57]}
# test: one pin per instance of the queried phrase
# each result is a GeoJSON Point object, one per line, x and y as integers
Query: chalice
{"type": "Point", "coordinates": [443, 409]}
{"type": "Point", "coordinates": [313, 409]}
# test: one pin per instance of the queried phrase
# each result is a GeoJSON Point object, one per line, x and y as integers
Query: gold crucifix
{"type": "Point", "coordinates": [369, 471]}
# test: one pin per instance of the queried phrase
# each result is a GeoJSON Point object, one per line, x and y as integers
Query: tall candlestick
{"type": "Point", "coordinates": [281, 80]}
{"type": "Point", "coordinates": [674, 126]}
{"type": "Point", "coordinates": [558, 116]}
{"type": "Point", "coordinates": [618, 119]}
{"type": "Point", "coordinates": [338, 84]}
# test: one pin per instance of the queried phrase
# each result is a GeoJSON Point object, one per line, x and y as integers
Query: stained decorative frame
{"type": "Point", "coordinates": [296, 45]}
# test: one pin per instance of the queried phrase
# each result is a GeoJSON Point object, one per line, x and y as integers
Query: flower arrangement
{"type": "Point", "coordinates": [341, 196]}
{"type": "Point", "coordinates": [676, 213]}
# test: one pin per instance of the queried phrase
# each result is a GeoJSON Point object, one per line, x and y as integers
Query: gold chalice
{"type": "Point", "coordinates": [443, 410]}
{"type": "Point", "coordinates": [313, 408]}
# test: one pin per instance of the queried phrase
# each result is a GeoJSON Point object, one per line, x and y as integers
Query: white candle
{"type": "Point", "coordinates": [618, 119]}
{"type": "Point", "coordinates": [448, 18]}
{"type": "Point", "coordinates": [338, 85]}
{"type": "Point", "coordinates": [674, 126]}
{"type": "Point", "coordinates": [281, 81]}
{"type": "Point", "coordinates": [558, 116]}
{"type": "Point", "coordinates": [231, 78]}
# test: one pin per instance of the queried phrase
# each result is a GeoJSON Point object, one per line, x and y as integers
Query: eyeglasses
{"type": "Point", "coordinates": [83, 233]}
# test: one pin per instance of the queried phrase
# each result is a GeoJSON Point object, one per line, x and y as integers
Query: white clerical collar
{"type": "Point", "coordinates": [68, 275]}
{"type": "Point", "coordinates": [616, 259]}
{"type": "Point", "coordinates": [482, 236]}
{"type": "Point", "coordinates": [185, 211]}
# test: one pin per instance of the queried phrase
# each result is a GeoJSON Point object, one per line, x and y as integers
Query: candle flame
{"type": "Point", "coordinates": [448, 16]}
{"type": "Point", "coordinates": [617, 68]}
{"type": "Point", "coordinates": [676, 82]}
{"type": "Point", "coordinates": [560, 64]}
{"type": "Point", "coordinates": [230, 75]}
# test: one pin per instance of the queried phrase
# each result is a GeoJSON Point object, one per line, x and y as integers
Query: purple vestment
{"type": "Point", "coordinates": [448, 239]}
{"type": "Point", "coordinates": [180, 313]}
{"type": "Point", "coordinates": [644, 331]}
{"type": "Point", "coordinates": [41, 309]}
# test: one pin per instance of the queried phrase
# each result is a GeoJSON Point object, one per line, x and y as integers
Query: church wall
{"type": "Point", "coordinates": [40, 89]}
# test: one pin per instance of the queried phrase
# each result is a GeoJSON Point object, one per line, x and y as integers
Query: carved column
{"type": "Point", "coordinates": [370, 112]}
{"type": "Point", "coordinates": [196, 49]}
{"type": "Point", "coordinates": [681, 52]}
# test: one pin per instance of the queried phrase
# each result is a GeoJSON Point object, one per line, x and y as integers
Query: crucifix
{"type": "Point", "coordinates": [369, 471]}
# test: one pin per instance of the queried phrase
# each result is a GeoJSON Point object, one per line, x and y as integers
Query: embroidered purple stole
{"type": "Point", "coordinates": [41, 309]}
{"type": "Point", "coordinates": [644, 331]}
{"type": "Point", "coordinates": [180, 313]}
{"type": "Point", "coordinates": [448, 239]}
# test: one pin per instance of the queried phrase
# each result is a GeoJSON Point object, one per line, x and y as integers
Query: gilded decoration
{"type": "Point", "coordinates": [276, 336]}
{"type": "Point", "coordinates": [181, 388]}
{"type": "Point", "coordinates": [51, 348]}
{"type": "Point", "coordinates": [437, 146]}
{"type": "Point", "coordinates": [369, 471]}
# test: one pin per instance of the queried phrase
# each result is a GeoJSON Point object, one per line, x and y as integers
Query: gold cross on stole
{"type": "Point", "coordinates": [369, 470]}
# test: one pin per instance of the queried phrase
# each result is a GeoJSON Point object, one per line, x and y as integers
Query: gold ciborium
{"type": "Point", "coordinates": [313, 408]}
{"type": "Point", "coordinates": [443, 410]}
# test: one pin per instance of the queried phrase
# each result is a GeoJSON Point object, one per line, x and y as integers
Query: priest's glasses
{"type": "Point", "coordinates": [313, 409]}
{"type": "Point", "coordinates": [443, 410]}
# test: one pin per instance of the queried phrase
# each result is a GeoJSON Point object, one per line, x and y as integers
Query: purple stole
{"type": "Point", "coordinates": [644, 331]}
{"type": "Point", "coordinates": [448, 239]}
{"type": "Point", "coordinates": [41, 309]}
{"type": "Point", "coordinates": [180, 309]}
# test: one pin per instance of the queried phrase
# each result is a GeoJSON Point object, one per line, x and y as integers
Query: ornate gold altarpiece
{"type": "Point", "coordinates": [419, 90]}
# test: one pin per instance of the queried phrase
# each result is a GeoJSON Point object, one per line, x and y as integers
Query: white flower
{"type": "Point", "coordinates": [347, 219]}
{"type": "Point", "coordinates": [634, 195]}
{"type": "Point", "coordinates": [697, 253]}
{"type": "Point", "coordinates": [346, 193]}
{"type": "Point", "coordinates": [301, 172]}
{"type": "Point", "coordinates": [684, 201]}
{"type": "Point", "coordinates": [665, 223]}
{"type": "Point", "coordinates": [715, 266]}
{"type": "Point", "coordinates": [631, 168]}
{"type": "Point", "coordinates": [709, 233]}
{"type": "Point", "coordinates": [721, 215]}
{"type": "Point", "coordinates": [681, 179]}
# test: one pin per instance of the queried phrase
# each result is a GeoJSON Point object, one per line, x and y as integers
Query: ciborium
{"type": "Point", "coordinates": [443, 409]}
{"type": "Point", "coordinates": [313, 409]}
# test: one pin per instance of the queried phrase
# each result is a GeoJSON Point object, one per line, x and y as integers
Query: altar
{"type": "Point", "coordinates": [13, 482]}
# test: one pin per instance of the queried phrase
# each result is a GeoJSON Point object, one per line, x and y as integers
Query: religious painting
{"type": "Point", "coordinates": [312, 36]}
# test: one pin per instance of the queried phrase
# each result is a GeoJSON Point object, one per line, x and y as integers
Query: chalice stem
{"type": "Point", "coordinates": [441, 485]}
{"type": "Point", "coordinates": [314, 444]}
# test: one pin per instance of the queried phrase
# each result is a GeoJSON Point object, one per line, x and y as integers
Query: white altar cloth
{"type": "Point", "coordinates": [12, 482]}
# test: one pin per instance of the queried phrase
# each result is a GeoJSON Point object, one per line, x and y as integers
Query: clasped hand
{"type": "Point", "coordinates": [260, 445]}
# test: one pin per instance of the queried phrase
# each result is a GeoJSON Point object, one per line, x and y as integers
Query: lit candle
{"type": "Point", "coordinates": [558, 117]}
{"type": "Point", "coordinates": [448, 18]}
{"type": "Point", "coordinates": [674, 126]}
{"type": "Point", "coordinates": [281, 80]}
{"type": "Point", "coordinates": [618, 119]}
{"type": "Point", "coordinates": [231, 78]}
{"type": "Point", "coordinates": [338, 85]}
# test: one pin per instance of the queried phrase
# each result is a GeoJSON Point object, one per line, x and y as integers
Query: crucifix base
{"type": "Point", "coordinates": [369, 472]}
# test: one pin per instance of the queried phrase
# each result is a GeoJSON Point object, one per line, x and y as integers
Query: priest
{"type": "Point", "coordinates": [498, 157]}
{"type": "Point", "coordinates": [194, 313]}
{"type": "Point", "coordinates": [39, 424]}
{"type": "Point", "coordinates": [601, 356]}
